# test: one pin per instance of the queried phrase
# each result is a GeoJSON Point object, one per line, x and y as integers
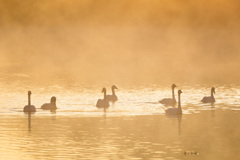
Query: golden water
{"type": "Point", "coordinates": [135, 127]}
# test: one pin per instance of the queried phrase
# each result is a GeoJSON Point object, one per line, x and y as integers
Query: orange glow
{"type": "Point", "coordinates": [141, 40]}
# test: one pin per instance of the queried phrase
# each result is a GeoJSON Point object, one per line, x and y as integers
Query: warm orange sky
{"type": "Point", "coordinates": [220, 13]}
{"type": "Point", "coordinates": [152, 40]}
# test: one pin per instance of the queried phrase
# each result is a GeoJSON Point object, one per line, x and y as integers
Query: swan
{"type": "Point", "coordinates": [51, 105]}
{"type": "Point", "coordinates": [170, 101]}
{"type": "Point", "coordinates": [112, 97]}
{"type": "Point", "coordinates": [103, 103]}
{"type": "Point", "coordinates": [29, 107]}
{"type": "Point", "coordinates": [210, 99]}
{"type": "Point", "coordinates": [176, 111]}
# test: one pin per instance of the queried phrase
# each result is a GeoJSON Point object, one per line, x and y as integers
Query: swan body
{"type": "Point", "coordinates": [29, 107]}
{"type": "Point", "coordinates": [103, 103]}
{"type": "Point", "coordinates": [210, 99]}
{"type": "Point", "coordinates": [51, 105]}
{"type": "Point", "coordinates": [169, 101]}
{"type": "Point", "coordinates": [176, 111]}
{"type": "Point", "coordinates": [112, 97]}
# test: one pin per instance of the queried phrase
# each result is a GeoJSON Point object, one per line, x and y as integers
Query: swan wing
{"type": "Point", "coordinates": [208, 99]}
{"type": "Point", "coordinates": [48, 106]}
{"type": "Point", "coordinates": [29, 109]}
{"type": "Point", "coordinates": [111, 97]}
{"type": "Point", "coordinates": [167, 101]}
{"type": "Point", "coordinates": [102, 103]}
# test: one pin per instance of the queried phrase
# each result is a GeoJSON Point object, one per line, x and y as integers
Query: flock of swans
{"type": "Point", "coordinates": [172, 101]}
{"type": "Point", "coordinates": [47, 106]}
{"type": "Point", "coordinates": [104, 103]}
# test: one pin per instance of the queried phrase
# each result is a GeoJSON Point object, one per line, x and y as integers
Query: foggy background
{"type": "Point", "coordinates": [122, 41]}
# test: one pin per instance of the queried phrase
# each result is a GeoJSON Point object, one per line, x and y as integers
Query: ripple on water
{"type": "Point", "coordinates": [135, 127]}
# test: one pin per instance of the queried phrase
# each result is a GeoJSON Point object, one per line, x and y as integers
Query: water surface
{"type": "Point", "coordinates": [135, 127]}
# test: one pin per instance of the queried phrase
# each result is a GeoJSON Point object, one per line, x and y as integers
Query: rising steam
{"type": "Point", "coordinates": [137, 40]}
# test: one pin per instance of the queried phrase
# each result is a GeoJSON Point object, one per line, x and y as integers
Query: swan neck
{"type": "Point", "coordinates": [29, 99]}
{"type": "Point", "coordinates": [113, 91]}
{"type": "Point", "coordinates": [179, 101]}
{"type": "Point", "coordinates": [104, 94]}
{"type": "Point", "coordinates": [173, 96]}
{"type": "Point", "coordinates": [212, 94]}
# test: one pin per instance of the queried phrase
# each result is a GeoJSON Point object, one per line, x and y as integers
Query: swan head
{"type": "Point", "coordinates": [29, 92]}
{"type": "Point", "coordinates": [114, 87]}
{"type": "Point", "coordinates": [174, 85]}
{"type": "Point", "coordinates": [213, 90]}
{"type": "Point", "coordinates": [53, 99]}
{"type": "Point", "coordinates": [104, 90]}
{"type": "Point", "coordinates": [179, 91]}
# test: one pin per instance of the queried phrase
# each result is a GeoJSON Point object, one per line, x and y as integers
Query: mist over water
{"type": "Point", "coordinates": [121, 41]}
{"type": "Point", "coordinates": [70, 49]}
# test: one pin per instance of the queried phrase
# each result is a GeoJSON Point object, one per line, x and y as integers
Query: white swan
{"type": "Point", "coordinates": [51, 105]}
{"type": "Point", "coordinates": [29, 107]}
{"type": "Point", "coordinates": [210, 99]}
{"type": "Point", "coordinates": [103, 103]}
{"type": "Point", "coordinates": [112, 97]}
{"type": "Point", "coordinates": [170, 101]}
{"type": "Point", "coordinates": [176, 111]}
